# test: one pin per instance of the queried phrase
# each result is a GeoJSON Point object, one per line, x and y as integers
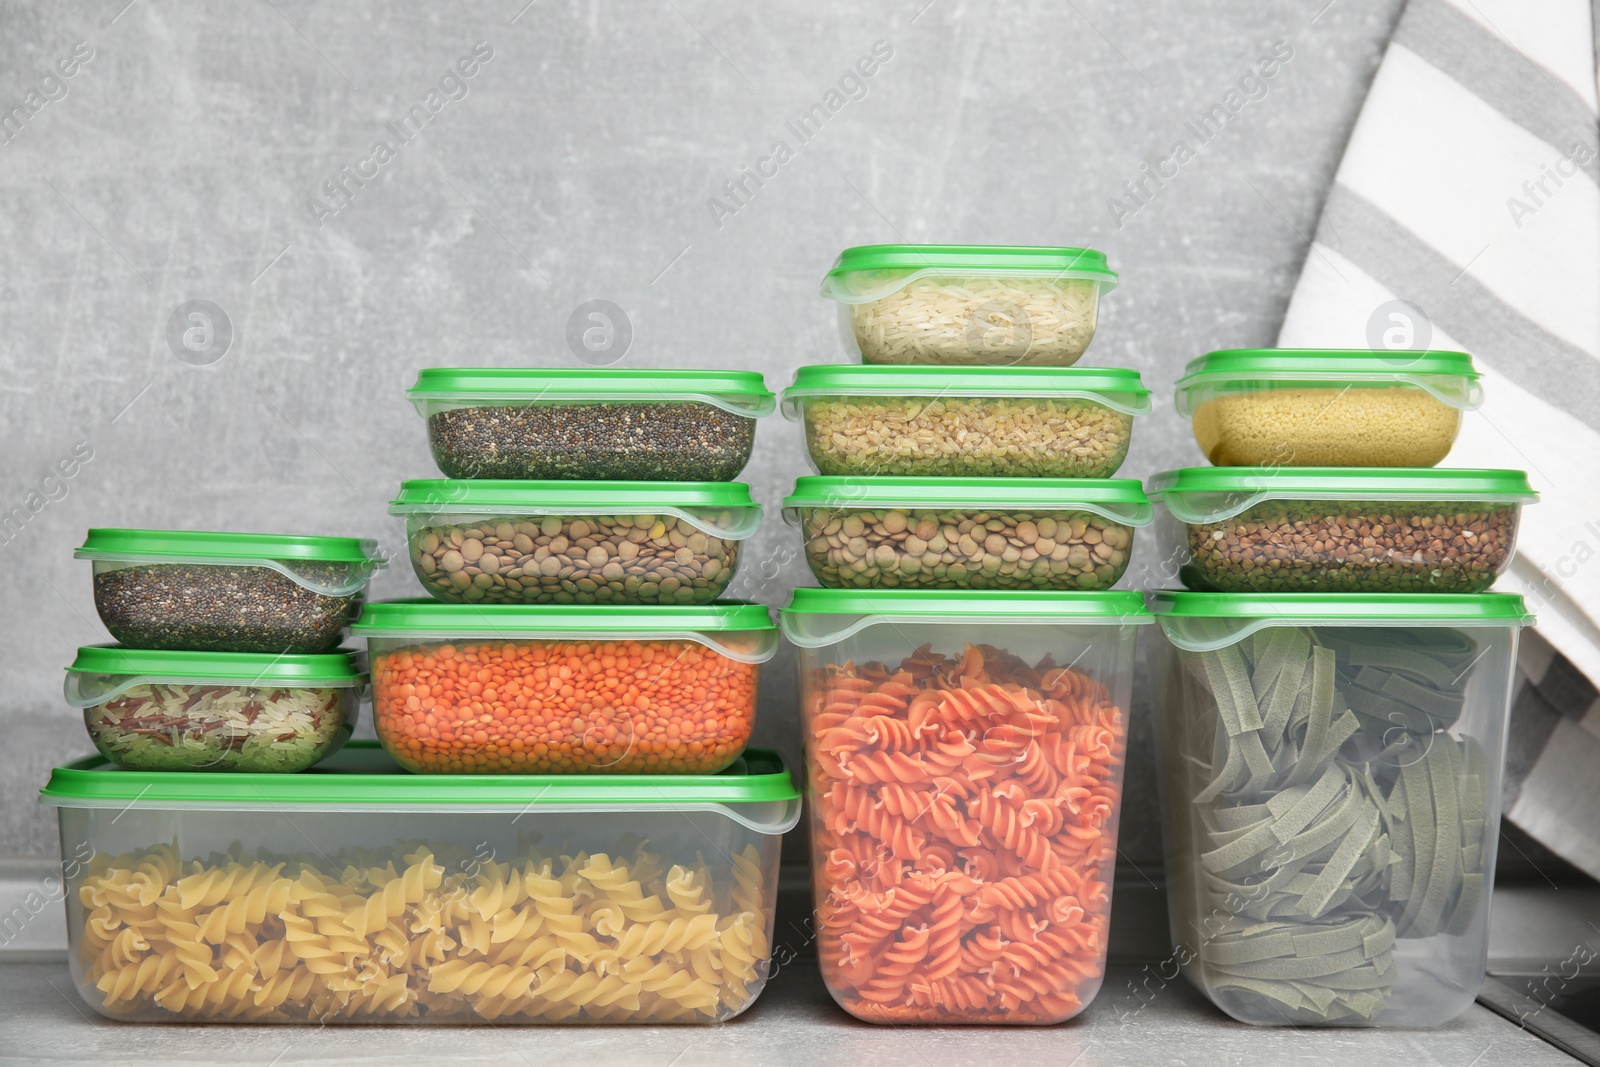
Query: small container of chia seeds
{"type": "Point", "coordinates": [602, 425]}
{"type": "Point", "coordinates": [228, 592]}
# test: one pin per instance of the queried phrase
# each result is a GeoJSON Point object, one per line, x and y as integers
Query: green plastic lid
{"type": "Point", "coordinates": [738, 391]}
{"type": "Point", "coordinates": [1116, 388]}
{"type": "Point", "coordinates": [138, 666]}
{"type": "Point", "coordinates": [198, 545]}
{"type": "Point", "coordinates": [1448, 376]}
{"type": "Point", "coordinates": [721, 508]}
{"type": "Point", "coordinates": [1200, 622]}
{"type": "Point", "coordinates": [816, 617]}
{"type": "Point", "coordinates": [901, 264]}
{"type": "Point", "coordinates": [1118, 499]}
{"type": "Point", "coordinates": [757, 790]}
{"type": "Point", "coordinates": [1209, 494]}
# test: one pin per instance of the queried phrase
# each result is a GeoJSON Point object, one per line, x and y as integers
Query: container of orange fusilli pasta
{"type": "Point", "coordinates": [367, 895]}
{"type": "Point", "coordinates": [964, 758]}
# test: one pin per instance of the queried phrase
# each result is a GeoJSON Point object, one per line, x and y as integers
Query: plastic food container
{"type": "Point", "coordinates": [151, 710]}
{"type": "Point", "coordinates": [498, 542]}
{"type": "Point", "coordinates": [550, 689]}
{"type": "Point", "coordinates": [227, 592]}
{"type": "Point", "coordinates": [964, 760]}
{"type": "Point", "coordinates": [1306, 407]}
{"type": "Point", "coordinates": [1330, 770]}
{"type": "Point", "coordinates": [363, 895]}
{"type": "Point", "coordinates": [967, 533]}
{"type": "Point", "coordinates": [625, 425]}
{"type": "Point", "coordinates": [968, 304]}
{"type": "Point", "coordinates": [1016, 422]}
{"type": "Point", "coordinates": [1339, 530]}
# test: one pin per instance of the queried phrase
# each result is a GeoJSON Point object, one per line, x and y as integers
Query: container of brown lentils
{"type": "Point", "coordinates": [552, 542]}
{"type": "Point", "coordinates": [228, 592]}
{"type": "Point", "coordinates": [601, 425]}
{"type": "Point", "coordinates": [967, 533]}
{"type": "Point", "coordinates": [1339, 529]}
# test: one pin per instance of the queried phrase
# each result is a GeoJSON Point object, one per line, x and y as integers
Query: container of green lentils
{"type": "Point", "coordinates": [1339, 529]}
{"type": "Point", "coordinates": [602, 424]}
{"type": "Point", "coordinates": [158, 710]}
{"type": "Point", "coordinates": [508, 542]}
{"type": "Point", "coordinates": [227, 592]}
{"type": "Point", "coordinates": [967, 533]}
{"type": "Point", "coordinates": [958, 422]}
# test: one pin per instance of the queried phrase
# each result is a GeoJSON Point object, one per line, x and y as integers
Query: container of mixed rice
{"type": "Point", "coordinates": [968, 305]}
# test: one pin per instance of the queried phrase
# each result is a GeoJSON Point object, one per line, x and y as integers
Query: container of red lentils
{"type": "Point", "coordinates": [555, 689]}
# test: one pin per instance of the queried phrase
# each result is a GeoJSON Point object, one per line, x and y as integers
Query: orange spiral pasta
{"type": "Point", "coordinates": [964, 816]}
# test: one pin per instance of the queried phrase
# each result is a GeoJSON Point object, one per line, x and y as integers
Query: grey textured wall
{"type": "Point", "coordinates": [184, 160]}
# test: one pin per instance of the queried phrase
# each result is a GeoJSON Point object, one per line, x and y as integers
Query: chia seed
{"type": "Point", "coordinates": [667, 442]}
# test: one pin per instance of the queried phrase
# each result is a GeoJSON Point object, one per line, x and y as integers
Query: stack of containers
{"type": "Point", "coordinates": [965, 669]}
{"type": "Point", "coordinates": [1336, 686]}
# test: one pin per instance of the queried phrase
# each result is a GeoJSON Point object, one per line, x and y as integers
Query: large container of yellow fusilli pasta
{"type": "Point", "coordinates": [362, 894]}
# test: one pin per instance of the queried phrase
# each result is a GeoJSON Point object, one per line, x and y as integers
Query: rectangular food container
{"type": "Point", "coordinates": [495, 542]}
{"type": "Point", "coordinates": [228, 592]}
{"type": "Point", "coordinates": [955, 422]}
{"type": "Point", "coordinates": [1339, 530]}
{"type": "Point", "coordinates": [157, 710]}
{"type": "Point", "coordinates": [1312, 407]}
{"type": "Point", "coordinates": [457, 689]}
{"type": "Point", "coordinates": [968, 305]}
{"type": "Point", "coordinates": [964, 757]}
{"type": "Point", "coordinates": [624, 425]}
{"type": "Point", "coordinates": [365, 895]}
{"type": "Point", "coordinates": [967, 533]}
{"type": "Point", "coordinates": [1330, 769]}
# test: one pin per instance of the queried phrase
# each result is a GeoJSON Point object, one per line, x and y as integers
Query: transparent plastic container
{"type": "Point", "coordinates": [359, 894]}
{"type": "Point", "coordinates": [457, 689]}
{"type": "Point", "coordinates": [1339, 530]}
{"type": "Point", "coordinates": [964, 757]}
{"type": "Point", "coordinates": [1334, 407]}
{"type": "Point", "coordinates": [495, 542]}
{"type": "Point", "coordinates": [228, 592]}
{"type": "Point", "coordinates": [1330, 770]}
{"type": "Point", "coordinates": [967, 533]}
{"type": "Point", "coordinates": [215, 711]}
{"type": "Point", "coordinates": [968, 305]}
{"type": "Point", "coordinates": [601, 424]}
{"type": "Point", "coordinates": [956, 422]}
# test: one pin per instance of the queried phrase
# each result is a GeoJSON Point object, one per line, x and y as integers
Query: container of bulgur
{"type": "Point", "coordinates": [553, 689]}
{"type": "Point", "coordinates": [227, 592]}
{"type": "Point", "coordinates": [1339, 529]}
{"type": "Point", "coordinates": [967, 533]}
{"type": "Point", "coordinates": [599, 424]}
{"type": "Point", "coordinates": [501, 542]}
{"type": "Point", "coordinates": [1311, 407]}
{"type": "Point", "coordinates": [968, 305]}
{"type": "Point", "coordinates": [960, 422]}
{"type": "Point", "coordinates": [158, 710]}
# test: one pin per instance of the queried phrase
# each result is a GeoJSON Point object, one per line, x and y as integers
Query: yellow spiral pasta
{"type": "Point", "coordinates": [428, 935]}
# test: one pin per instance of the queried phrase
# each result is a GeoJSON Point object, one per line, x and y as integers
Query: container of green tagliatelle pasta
{"type": "Point", "coordinates": [1331, 770]}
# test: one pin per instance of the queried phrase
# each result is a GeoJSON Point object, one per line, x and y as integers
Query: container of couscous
{"type": "Point", "coordinates": [976, 305]}
{"type": "Point", "coordinates": [1310, 407]}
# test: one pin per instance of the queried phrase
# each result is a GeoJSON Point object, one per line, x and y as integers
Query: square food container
{"type": "Point", "coordinates": [968, 305]}
{"type": "Point", "coordinates": [461, 689]}
{"type": "Point", "coordinates": [1312, 407]}
{"type": "Point", "coordinates": [228, 592]}
{"type": "Point", "coordinates": [624, 425]}
{"type": "Point", "coordinates": [1339, 530]}
{"type": "Point", "coordinates": [495, 542]}
{"type": "Point", "coordinates": [964, 756]}
{"type": "Point", "coordinates": [156, 710]}
{"type": "Point", "coordinates": [954, 422]}
{"type": "Point", "coordinates": [1330, 769]}
{"type": "Point", "coordinates": [365, 895]}
{"type": "Point", "coordinates": [967, 533]}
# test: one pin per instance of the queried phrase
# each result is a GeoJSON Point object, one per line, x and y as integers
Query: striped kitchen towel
{"type": "Point", "coordinates": [1466, 215]}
